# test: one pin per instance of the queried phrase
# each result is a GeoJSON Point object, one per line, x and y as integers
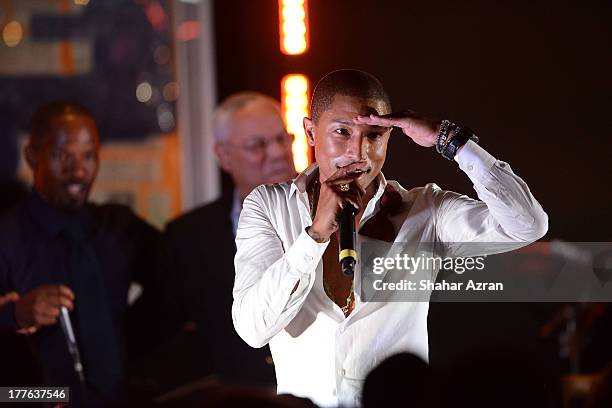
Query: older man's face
{"type": "Point", "coordinates": [339, 141]}
{"type": "Point", "coordinates": [257, 149]}
{"type": "Point", "coordinates": [65, 162]}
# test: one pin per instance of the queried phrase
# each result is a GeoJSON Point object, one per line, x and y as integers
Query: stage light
{"type": "Point", "coordinates": [12, 34]}
{"type": "Point", "coordinates": [293, 24]}
{"type": "Point", "coordinates": [144, 91]}
{"type": "Point", "coordinates": [171, 92]}
{"type": "Point", "coordinates": [165, 117]}
{"type": "Point", "coordinates": [188, 30]}
{"type": "Point", "coordinates": [294, 104]}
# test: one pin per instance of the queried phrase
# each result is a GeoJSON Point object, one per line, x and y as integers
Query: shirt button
{"type": "Point", "coordinates": [470, 167]}
{"type": "Point", "coordinates": [308, 258]}
{"type": "Point", "coordinates": [334, 392]}
{"type": "Point", "coordinates": [342, 329]}
{"type": "Point", "coordinates": [341, 372]}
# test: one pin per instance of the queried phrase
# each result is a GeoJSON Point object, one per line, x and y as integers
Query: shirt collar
{"type": "Point", "coordinates": [303, 179]}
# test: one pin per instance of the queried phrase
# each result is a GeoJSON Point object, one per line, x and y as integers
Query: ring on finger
{"type": "Point", "coordinates": [344, 187]}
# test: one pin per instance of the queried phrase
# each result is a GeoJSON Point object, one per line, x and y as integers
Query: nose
{"type": "Point", "coordinates": [277, 148]}
{"type": "Point", "coordinates": [76, 169]}
{"type": "Point", "coordinates": [357, 148]}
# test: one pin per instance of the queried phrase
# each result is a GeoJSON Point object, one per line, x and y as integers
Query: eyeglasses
{"type": "Point", "coordinates": [257, 146]}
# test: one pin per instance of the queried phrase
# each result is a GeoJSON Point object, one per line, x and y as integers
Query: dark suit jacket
{"type": "Point", "coordinates": [33, 253]}
{"type": "Point", "coordinates": [199, 249]}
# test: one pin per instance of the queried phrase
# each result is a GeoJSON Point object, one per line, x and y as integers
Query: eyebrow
{"type": "Point", "coordinates": [351, 123]}
{"type": "Point", "coordinates": [343, 122]}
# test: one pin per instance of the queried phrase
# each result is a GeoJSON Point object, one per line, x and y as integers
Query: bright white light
{"type": "Point", "coordinates": [293, 24]}
{"type": "Point", "coordinates": [144, 92]}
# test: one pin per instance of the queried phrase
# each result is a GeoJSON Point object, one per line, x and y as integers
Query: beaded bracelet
{"type": "Point", "coordinates": [453, 131]}
{"type": "Point", "coordinates": [441, 141]}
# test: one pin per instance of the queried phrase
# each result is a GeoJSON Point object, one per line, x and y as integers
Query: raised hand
{"type": "Point", "coordinates": [422, 131]}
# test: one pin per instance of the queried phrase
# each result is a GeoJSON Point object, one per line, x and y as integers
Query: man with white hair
{"type": "Point", "coordinates": [252, 145]}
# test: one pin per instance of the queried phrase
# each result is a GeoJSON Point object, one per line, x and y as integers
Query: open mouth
{"type": "Point", "coordinates": [76, 189]}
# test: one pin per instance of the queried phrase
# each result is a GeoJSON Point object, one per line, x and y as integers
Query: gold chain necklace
{"type": "Point", "coordinates": [313, 198]}
{"type": "Point", "coordinates": [350, 300]}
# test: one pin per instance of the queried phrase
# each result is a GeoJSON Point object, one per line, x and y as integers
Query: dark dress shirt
{"type": "Point", "coordinates": [33, 252]}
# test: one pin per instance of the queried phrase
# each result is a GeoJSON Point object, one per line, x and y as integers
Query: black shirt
{"type": "Point", "coordinates": [198, 259]}
{"type": "Point", "coordinates": [33, 252]}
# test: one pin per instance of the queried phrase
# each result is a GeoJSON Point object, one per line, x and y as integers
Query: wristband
{"type": "Point", "coordinates": [462, 135]}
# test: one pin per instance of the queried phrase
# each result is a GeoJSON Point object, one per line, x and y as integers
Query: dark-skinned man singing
{"type": "Point", "coordinates": [289, 291]}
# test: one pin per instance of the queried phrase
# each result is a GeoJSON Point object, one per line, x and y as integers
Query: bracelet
{"type": "Point", "coordinates": [461, 137]}
{"type": "Point", "coordinates": [441, 140]}
{"type": "Point", "coordinates": [452, 132]}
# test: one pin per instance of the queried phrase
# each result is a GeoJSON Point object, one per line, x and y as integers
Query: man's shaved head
{"type": "Point", "coordinates": [348, 82]}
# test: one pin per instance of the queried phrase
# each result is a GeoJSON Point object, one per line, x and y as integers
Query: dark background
{"type": "Point", "coordinates": [531, 78]}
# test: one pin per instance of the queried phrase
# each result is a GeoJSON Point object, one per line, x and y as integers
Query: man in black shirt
{"type": "Point", "coordinates": [58, 250]}
{"type": "Point", "coordinates": [252, 145]}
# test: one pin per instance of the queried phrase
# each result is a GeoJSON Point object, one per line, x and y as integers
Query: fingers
{"type": "Point", "coordinates": [66, 297]}
{"type": "Point", "coordinates": [28, 330]}
{"type": "Point", "coordinates": [42, 306]}
{"type": "Point", "coordinates": [9, 297]}
{"type": "Point", "coordinates": [354, 195]}
{"type": "Point", "coordinates": [58, 300]}
{"type": "Point", "coordinates": [398, 119]}
{"type": "Point", "coordinates": [375, 120]}
{"type": "Point", "coordinates": [65, 291]}
{"type": "Point", "coordinates": [45, 315]}
{"type": "Point", "coordinates": [58, 296]}
{"type": "Point", "coordinates": [353, 200]}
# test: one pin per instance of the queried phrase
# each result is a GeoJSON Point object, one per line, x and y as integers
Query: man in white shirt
{"type": "Point", "coordinates": [289, 290]}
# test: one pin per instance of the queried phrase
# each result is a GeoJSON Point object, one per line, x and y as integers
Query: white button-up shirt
{"type": "Point", "coordinates": [317, 352]}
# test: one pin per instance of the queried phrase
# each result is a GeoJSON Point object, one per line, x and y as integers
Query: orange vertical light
{"type": "Point", "coordinates": [66, 56]}
{"type": "Point", "coordinates": [294, 104]}
{"type": "Point", "coordinates": [293, 22]}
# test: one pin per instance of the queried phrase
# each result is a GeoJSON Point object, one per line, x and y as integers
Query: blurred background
{"type": "Point", "coordinates": [531, 78]}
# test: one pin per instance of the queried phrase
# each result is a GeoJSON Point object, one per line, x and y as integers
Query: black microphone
{"type": "Point", "coordinates": [348, 255]}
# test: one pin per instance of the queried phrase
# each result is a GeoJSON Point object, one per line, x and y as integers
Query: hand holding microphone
{"type": "Point", "coordinates": [340, 189]}
{"type": "Point", "coordinates": [340, 199]}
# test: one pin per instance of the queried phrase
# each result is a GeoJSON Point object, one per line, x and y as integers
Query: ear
{"type": "Point", "coordinates": [222, 156]}
{"type": "Point", "coordinates": [31, 156]}
{"type": "Point", "coordinates": [309, 129]}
